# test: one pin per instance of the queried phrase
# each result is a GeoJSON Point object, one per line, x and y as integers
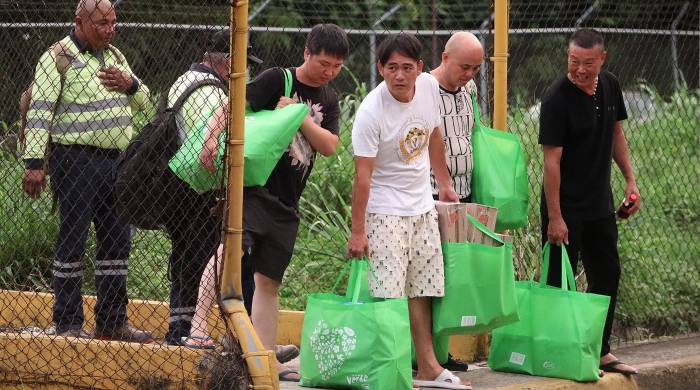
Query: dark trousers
{"type": "Point", "coordinates": [81, 177]}
{"type": "Point", "coordinates": [594, 242]}
{"type": "Point", "coordinates": [195, 234]}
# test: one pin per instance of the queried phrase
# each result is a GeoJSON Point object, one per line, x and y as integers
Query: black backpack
{"type": "Point", "coordinates": [138, 184]}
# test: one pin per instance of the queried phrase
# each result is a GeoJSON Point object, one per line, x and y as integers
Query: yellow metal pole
{"type": "Point", "coordinates": [500, 66]}
{"type": "Point", "coordinates": [261, 363]}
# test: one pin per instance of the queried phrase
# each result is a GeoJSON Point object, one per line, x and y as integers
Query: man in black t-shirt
{"type": "Point", "coordinates": [580, 133]}
{"type": "Point", "coordinates": [270, 212]}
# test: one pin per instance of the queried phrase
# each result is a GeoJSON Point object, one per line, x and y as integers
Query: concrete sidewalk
{"type": "Point", "coordinates": [663, 365]}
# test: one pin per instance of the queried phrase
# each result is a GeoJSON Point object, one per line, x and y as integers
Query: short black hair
{"type": "Point", "coordinates": [402, 43]}
{"type": "Point", "coordinates": [587, 38]}
{"type": "Point", "coordinates": [328, 38]}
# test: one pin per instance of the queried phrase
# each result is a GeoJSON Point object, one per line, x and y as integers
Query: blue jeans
{"type": "Point", "coordinates": [82, 179]}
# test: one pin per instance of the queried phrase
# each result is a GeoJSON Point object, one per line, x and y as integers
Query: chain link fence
{"type": "Point", "coordinates": [652, 48]}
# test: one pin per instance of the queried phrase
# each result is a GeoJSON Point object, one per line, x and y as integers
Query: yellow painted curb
{"type": "Point", "coordinates": [97, 364]}
{"type": "Point", "coordinates": [34, 309]}
{"type": "Point", "coordinates": [25, 309]}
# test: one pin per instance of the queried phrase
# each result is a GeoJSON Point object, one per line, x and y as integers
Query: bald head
{"type": "Point", "coordinates": [461, 60]}
{"type": "Point", "coordinates": [86, 8]}
{"type": "Point", "coordinates": [94, 23]}
{"type": "Point", "coordinates": [464, 42]}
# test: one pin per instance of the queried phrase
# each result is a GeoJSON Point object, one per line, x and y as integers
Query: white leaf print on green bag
{"type": "Point", "coordinates": [331, 347]}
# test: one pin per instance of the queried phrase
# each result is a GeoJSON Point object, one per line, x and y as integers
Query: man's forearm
{"type": "Point", "coordinates": [552, 183]}
{"type": "Point", "coordinates": [438, 163]}
{"type": "Point", "coordinates": [360, 197]}
{"type": "Point", "coordinates": [218, 122]}
{"type": "Point", "coordinates": [322, 140]}
{"type": "Point", "coordinates": [139, 99]}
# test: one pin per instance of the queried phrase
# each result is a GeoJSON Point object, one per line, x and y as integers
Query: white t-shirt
{"type": "Point", "coordinates": [456, 126]}
{"type": "Point", "coordinates": [397, 135]}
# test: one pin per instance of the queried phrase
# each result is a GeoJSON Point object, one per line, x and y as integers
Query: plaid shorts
{"type": "Point", "coordinates": [405, 255]}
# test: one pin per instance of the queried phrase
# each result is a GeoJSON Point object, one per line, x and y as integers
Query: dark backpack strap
{"type": "Point", "coordinates": [194, 86]}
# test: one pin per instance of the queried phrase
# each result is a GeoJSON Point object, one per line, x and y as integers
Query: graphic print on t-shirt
{"type": "Point", "coordinates": [413, 139]}
{"type": "Point", "coordinates": [300, 150]}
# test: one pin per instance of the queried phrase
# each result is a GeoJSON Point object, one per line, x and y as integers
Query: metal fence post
{"type": "Point", "coordinates": [677, 74]}
{"type": "Point", "coordinates": [500, 66]}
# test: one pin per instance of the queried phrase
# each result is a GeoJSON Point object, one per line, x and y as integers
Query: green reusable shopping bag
{"type": "Point", "coordinates": [479, 287]}
{"type": "Point", "coordinates": [559, 333]}
{"type": "Point", "coordinates": [499, 176]}
{"type": "Point", "coordinates": [355, 343]}
{"type": "Point", "coordinates": [268, 133]}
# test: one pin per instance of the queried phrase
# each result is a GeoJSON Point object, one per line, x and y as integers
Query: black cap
{"type": "Point", "coordinates": [219, 43]}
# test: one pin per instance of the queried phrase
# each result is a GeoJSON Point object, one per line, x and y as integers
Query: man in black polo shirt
{"type": "Point", "coordinates": [580, 133]}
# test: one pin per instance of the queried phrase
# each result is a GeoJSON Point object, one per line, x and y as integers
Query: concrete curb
{"type": "Point", "coordinates": [679, 374]}
{"type": "Point", "coordinates": [672, 364]}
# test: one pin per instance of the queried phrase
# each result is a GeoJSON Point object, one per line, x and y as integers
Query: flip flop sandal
{"type": "Point", "coordinates": [198, 342]}
{"type": "Point", "coordinates": [446, 380]}
{"type": "Point", "coordinates": [283, 375]}
{"type": "Point", "coordinates": [612, 367]}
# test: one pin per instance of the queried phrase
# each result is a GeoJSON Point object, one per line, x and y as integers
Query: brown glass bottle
{"type": "Point", "coordinates": [623, 210]}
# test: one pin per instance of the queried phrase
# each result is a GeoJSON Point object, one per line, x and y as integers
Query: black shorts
{"type": "Point", "coordinates": [269, 232]}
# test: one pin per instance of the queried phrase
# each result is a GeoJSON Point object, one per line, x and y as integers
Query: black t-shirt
{"type": "Point", "coordinates": [288, 179]}
{"type": "Point", "coordinates": [584, 126]}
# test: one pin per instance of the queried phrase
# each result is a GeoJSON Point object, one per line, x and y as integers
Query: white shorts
{"type": "Point", "coordinates": [405, 255]}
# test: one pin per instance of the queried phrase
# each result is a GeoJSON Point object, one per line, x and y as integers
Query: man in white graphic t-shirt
{"type": "Point", "coordinates": [396, 139]}
{"type": "Point", "coordinates": [461, 61]}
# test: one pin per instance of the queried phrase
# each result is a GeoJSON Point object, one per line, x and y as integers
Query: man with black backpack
{"type": "Point", "coordinates": [82, 103]}
{"type": "Point", "coordinates": [270, 212]}
{"type": "Point", "coordinates": [188, 217]}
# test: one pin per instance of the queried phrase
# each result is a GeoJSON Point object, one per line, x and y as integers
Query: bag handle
{"type": "Point", "coordinates": [362, 263]}
{"type": "Point", "coordinates": [355, 287]}
{"type": "Point", "coordinates": [567, 274]}
{"type": "Point", "coordinates": [485, 230]}
{"type": "Point", "coordinates": [287, 82]}
{"type": "Point", "coordinates": [475, 109]}
{"type": "Point", "coordinates": [342, 273]}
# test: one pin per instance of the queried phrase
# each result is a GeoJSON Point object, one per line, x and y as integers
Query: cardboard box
{"type": "Point", "coordinates": [455, 227]}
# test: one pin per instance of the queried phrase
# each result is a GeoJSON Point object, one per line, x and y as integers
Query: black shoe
{"type": "Point", "coordinates": [453, 364]}
{"type": "Point", "coordinates": [126, 333]}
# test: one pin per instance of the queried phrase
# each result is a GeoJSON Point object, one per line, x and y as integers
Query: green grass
{"type": "Point", "coordinates": [28, 229]}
